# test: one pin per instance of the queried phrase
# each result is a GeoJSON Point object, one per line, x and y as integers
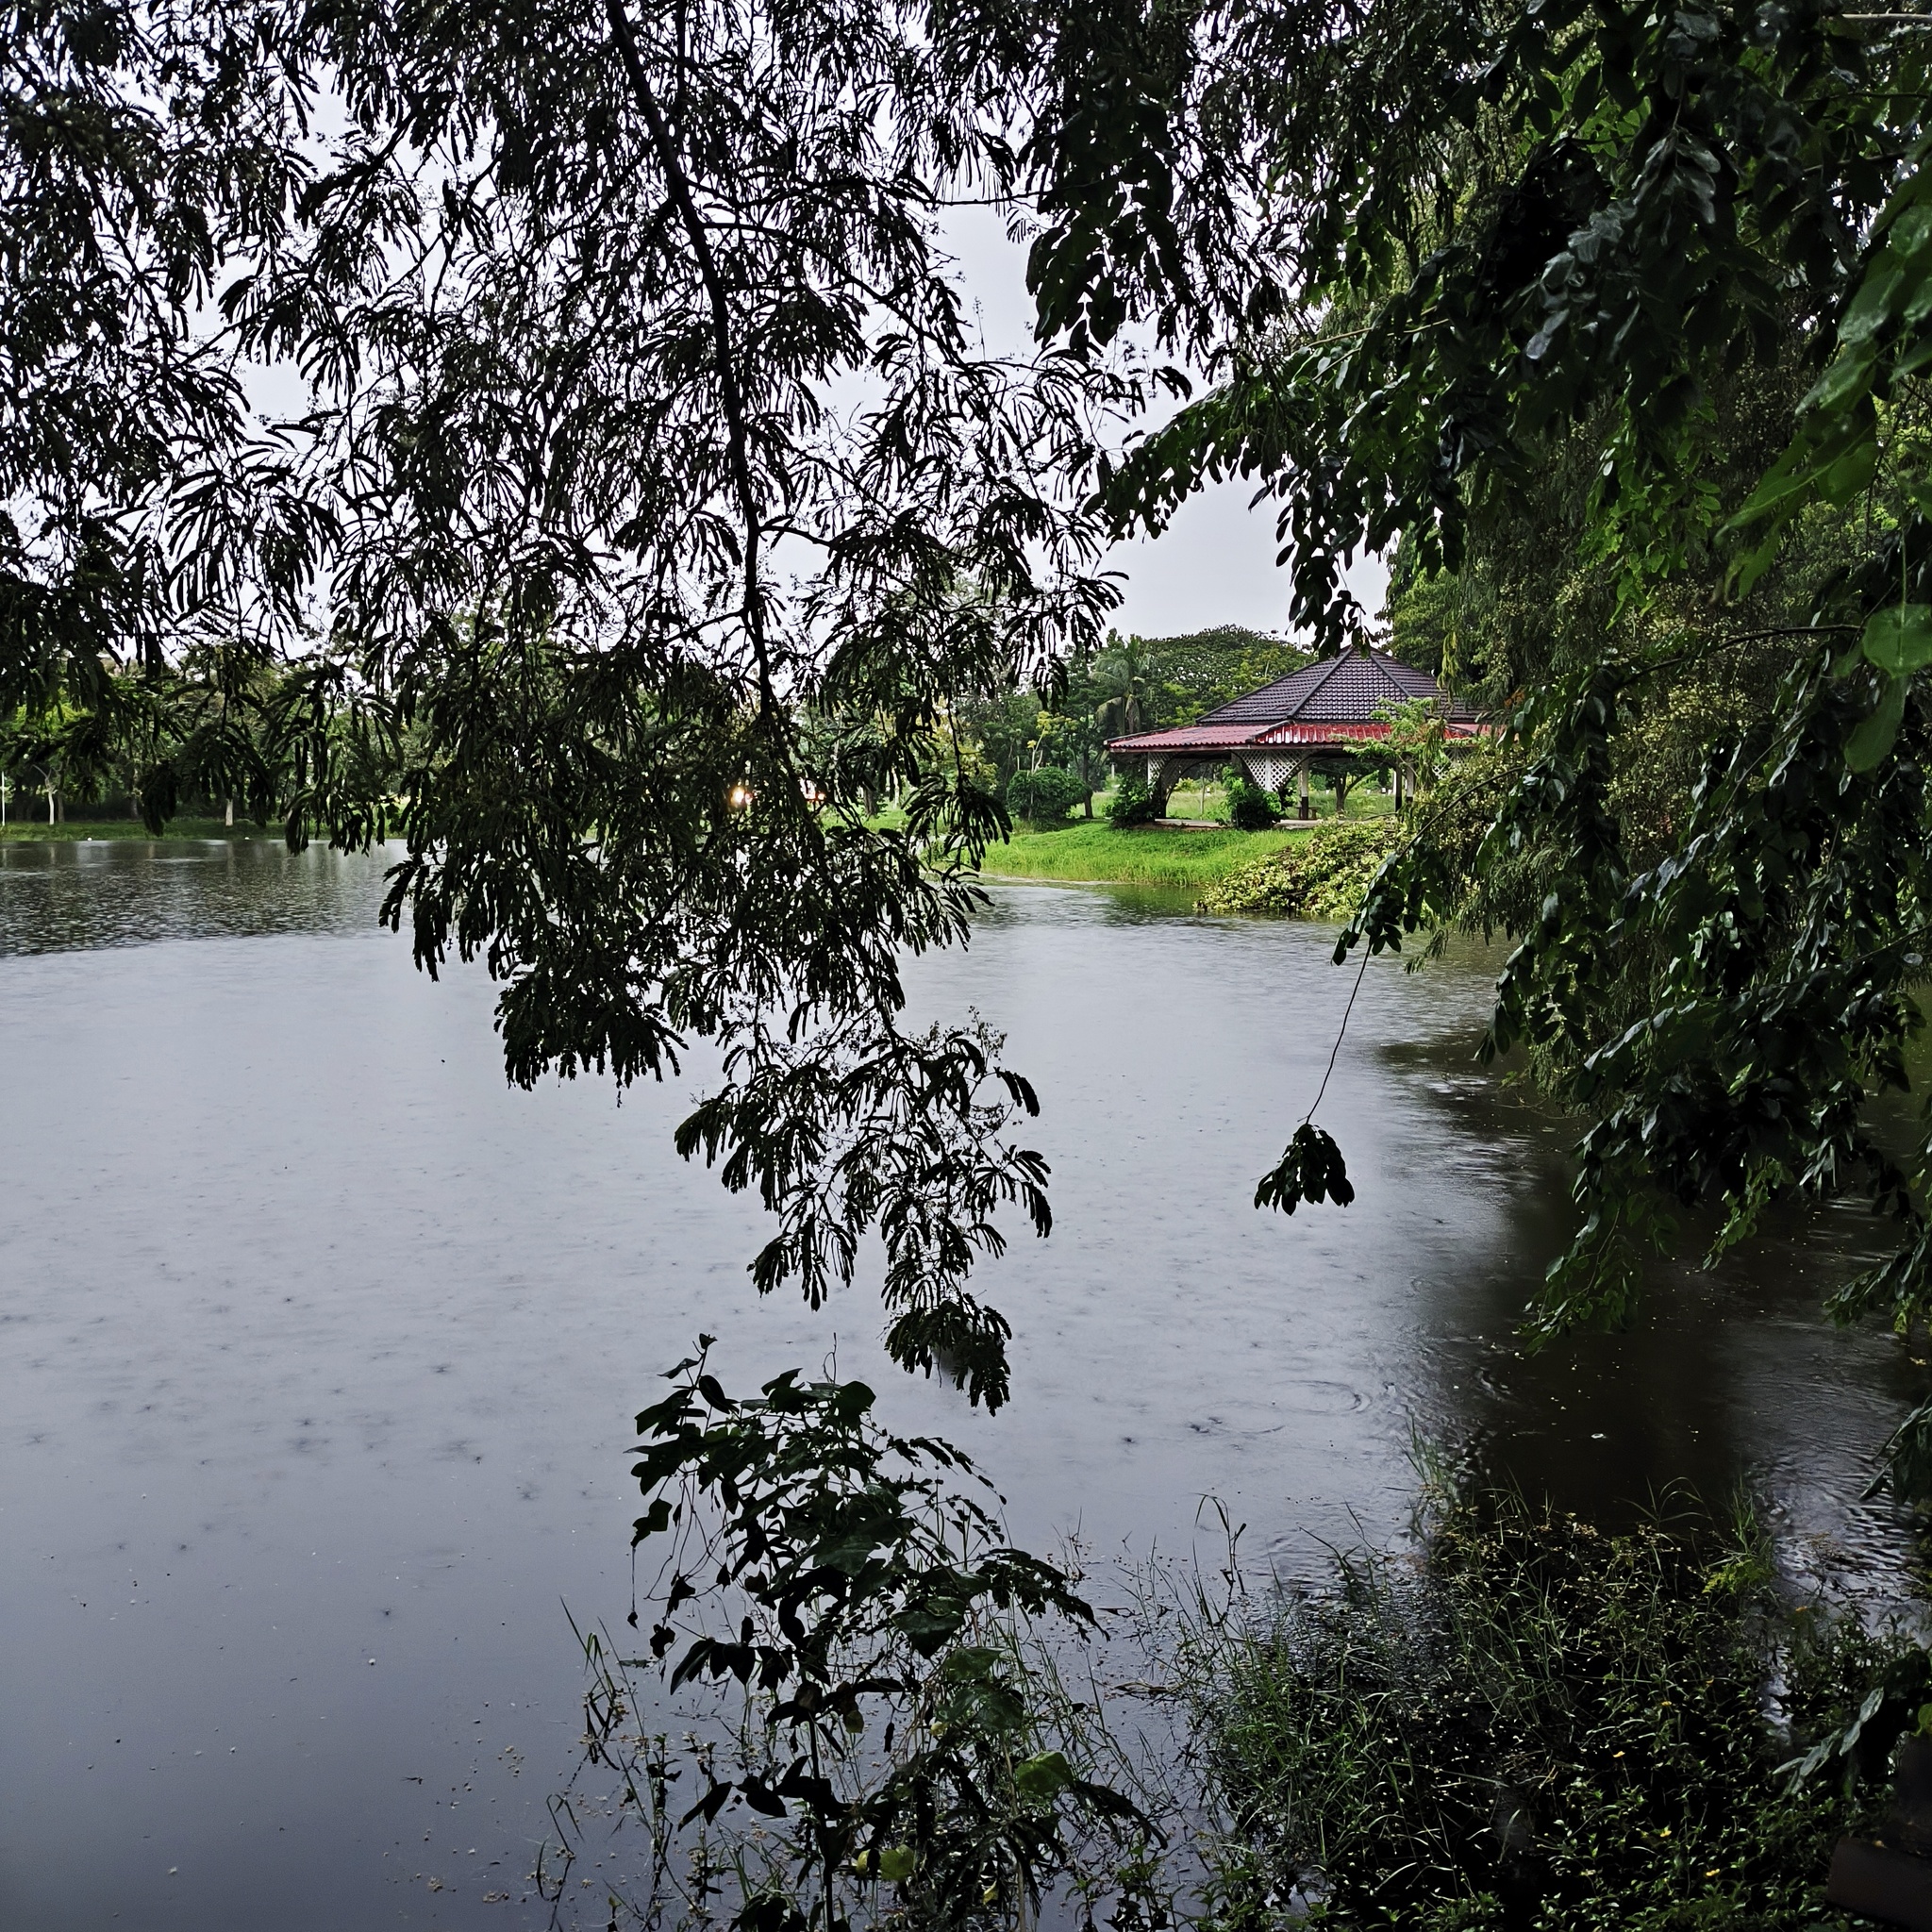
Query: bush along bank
{"type": "Point", "coordinates": [1045, 797]}
{"type": "Point", "coordinates": [1322, 875]}
{"type": "Point", "coordinates": [1537, 1724]}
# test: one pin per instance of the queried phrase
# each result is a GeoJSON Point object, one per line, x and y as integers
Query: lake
{"type": "Point", "coordinates": [322, 1346]}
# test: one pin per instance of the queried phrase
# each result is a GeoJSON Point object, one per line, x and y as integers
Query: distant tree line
{"type": "Point", "coordinates": [230, 730]}
{"type": "Point", "coordinates": [225, 734]}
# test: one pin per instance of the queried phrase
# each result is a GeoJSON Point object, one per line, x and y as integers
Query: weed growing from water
{"type": "Point", "coordinates": [1522, 1721]}
{"type": "Point", "coordinates": [873, 1736]}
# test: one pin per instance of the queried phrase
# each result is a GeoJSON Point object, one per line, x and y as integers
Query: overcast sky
{"type": "Point", "coordinates": [1215, 561]}
{"type": "Point", "coordinates": [1215, 565]}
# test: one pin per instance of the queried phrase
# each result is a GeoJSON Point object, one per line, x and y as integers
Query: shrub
{"type": "Point", "coordinates": [1132, 803]}
{"type": "Point", "coordinates": [1249, 808]}
{"type": "Point", "coordinates": [1321, 877]}
{"type": "Point", "coordinates": [1536, 1724]}
{"type": "Point", "coordinates": [823, 1587]}
{"type": "Point", "coordinates": [1045, 797]}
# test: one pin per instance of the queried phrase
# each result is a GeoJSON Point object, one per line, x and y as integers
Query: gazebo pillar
{"type": "Point", "coordinates": [1308, 802]}
{"type": "Point", "coordinates": [1160, 777]}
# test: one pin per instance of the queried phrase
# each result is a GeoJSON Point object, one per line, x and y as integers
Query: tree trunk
{"type": "Point", "coordinates": [1340, 784]}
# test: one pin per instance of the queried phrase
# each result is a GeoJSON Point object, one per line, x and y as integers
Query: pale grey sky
{"type": "Point", "coordinates": [1213, 564]}
{"type": "Point", "coordinates": [1215, 561]}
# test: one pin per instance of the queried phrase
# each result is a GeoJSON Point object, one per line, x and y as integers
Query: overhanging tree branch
{"type": "Point", "coordinates": [738, 441]}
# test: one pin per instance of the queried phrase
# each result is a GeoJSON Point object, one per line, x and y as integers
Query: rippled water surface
{"type": "Point", "coordinates": [319, 1347]}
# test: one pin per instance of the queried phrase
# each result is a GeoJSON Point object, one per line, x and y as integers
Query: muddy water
{"type": "Point", "coordinates": [318, 1349]}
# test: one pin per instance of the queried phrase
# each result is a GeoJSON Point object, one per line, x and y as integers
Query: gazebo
{"type": "Point", "coordinates": [1316, 719]}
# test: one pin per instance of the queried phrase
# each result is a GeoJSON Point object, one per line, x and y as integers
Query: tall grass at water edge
{"type": "Point", "coordinates": [1529, 1722]}
{"type": "Point", "coordinates": [1520, 1721]}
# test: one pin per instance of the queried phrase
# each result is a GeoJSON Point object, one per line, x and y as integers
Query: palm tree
{"type": "Point", "coordinates": [1124, 670]}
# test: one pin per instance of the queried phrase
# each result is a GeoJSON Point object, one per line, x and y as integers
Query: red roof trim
{"type": "Point", "coordinates": [1219, 737]}
{"type": "Point", "coordinates": [1227, 738]}
{"type": "Point", "coordinates": [1320, 734]}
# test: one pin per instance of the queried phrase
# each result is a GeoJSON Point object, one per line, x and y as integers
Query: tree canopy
{"type": "Point", "coordinates": [1608, 319]}
{"type": "Point", "coordinates": [638, 496]}
{"type": "Point", "coordinates": [647, 502]}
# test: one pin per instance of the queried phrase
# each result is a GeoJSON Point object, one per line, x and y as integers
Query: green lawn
{"type": "Point", "coordinates": [1146, 855]}
{"type": "Point", "coordinates": [29, 830]}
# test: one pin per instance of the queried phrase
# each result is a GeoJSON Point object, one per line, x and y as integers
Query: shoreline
{"type": "Point", "coordinates": [1179, 857]}
{"type": "Point", "coordinates": [116, 831]}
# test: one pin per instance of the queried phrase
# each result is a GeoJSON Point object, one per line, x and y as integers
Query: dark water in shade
{"type": "Point", "coordinates": [319, 1347]}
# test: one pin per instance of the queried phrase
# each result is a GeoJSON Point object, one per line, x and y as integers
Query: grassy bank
{"type": "Point", "coordinates": [1142, 855]}
{"type": "Point", "coordinates": [32, 831]}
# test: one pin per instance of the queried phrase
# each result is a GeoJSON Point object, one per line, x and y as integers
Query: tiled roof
{"type": "Point", "coordinates": [1333, 699]}
{"type": "Point", "coordinates": [1350, 689]}
{"type": "Point", "coordinates": [1276, 701]}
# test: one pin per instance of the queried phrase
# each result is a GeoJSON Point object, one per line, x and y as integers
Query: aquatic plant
{"type": "Point", "coordinates": [876, 1732]}
{"type": "Point", "coordinates": [1529, 1721]}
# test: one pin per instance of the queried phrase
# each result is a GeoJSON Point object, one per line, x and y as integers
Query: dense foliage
{"type": "Point", "coordinates": [1608, 319]}
{"type": "Point", "coordinates": [1320, 875]}
{"type": "Point", "coordinates": [1538, 1723]}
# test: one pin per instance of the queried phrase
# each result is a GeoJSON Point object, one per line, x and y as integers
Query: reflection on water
{"type": "Point", "coordinates": [63, 894]}
{"type": "Point", "coordinates": [321, 1348]}
{"type": "Point", "coordinates": [1730, 1375]}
